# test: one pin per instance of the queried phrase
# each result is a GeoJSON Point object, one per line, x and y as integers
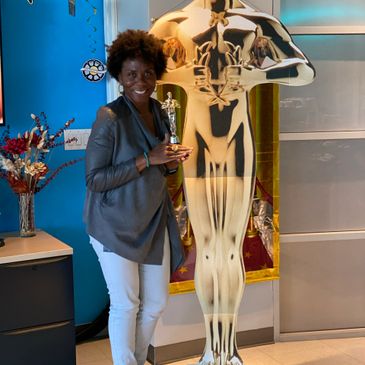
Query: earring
{"type": "Point", "coordinates": [120, 88]}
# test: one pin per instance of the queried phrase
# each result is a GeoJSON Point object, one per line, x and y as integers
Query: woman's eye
{"type": "Point", "coordinates": [148, 74]}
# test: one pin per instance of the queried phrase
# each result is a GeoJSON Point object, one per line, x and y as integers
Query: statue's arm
{"type": "Point", "coordinates": [181, 76]}
{"type": "Point", "coordinates": [270, 56]}
{"type": "Point", "coordinates": [293, 72]}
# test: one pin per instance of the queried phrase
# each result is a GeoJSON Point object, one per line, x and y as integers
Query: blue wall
{"type": "Point", "coordinates": [43, 49]}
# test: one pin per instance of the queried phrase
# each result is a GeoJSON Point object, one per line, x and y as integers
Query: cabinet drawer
{"type": "Point", "coordinates": [36, 293]}
{"type": "Point", "coordinates": [54, 344]}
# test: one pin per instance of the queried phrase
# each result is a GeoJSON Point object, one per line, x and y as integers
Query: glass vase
{"type": "Point", "coordinates": [26, 215]}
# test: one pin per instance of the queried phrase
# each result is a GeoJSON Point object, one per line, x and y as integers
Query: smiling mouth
{"type": "Point", "coordinates": [140, 92]}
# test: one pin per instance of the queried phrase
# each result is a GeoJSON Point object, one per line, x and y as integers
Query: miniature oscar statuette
{"type": "Point", "coordinates": [170, 105]}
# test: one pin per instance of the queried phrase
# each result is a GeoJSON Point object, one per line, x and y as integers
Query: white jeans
{"type": "Point", "coordinates": [138, 295]}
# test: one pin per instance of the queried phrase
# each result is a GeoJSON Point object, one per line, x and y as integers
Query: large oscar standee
{"type": "Point", "coordinates": [218, 50]}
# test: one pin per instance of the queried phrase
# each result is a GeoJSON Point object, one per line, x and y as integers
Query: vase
{"type": "Point", "coordinates": [26, 215]}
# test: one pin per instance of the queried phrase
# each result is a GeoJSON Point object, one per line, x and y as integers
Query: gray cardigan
{"type": "Point", "coordinates": [125, 210]}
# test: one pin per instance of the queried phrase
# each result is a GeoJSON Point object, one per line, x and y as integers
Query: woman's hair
{"type": "Point", "coordinates": [132, 44]}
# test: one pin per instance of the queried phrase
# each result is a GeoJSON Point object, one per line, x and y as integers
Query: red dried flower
{"type": "Point", "coordinates": [27, 172]}
{"type": "Point", "coordinates": [15, 146]}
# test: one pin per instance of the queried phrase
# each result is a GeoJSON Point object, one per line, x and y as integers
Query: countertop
{"type": "Point", "coordinates": [40, 246]}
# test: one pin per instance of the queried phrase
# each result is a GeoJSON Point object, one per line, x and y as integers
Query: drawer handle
{"type": "Point", "coordinates": [37, 328]}
{"type": "Point", "coordinates": [36, 262]}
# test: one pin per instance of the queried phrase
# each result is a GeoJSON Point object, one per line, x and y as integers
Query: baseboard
{"type": "Point", "coordinates": [89, 332]}
{"type": "Point", "coordinates": [322, 334]}
{"type": "Point", "coordinates": [95, 329]}
{"type": "Point", "coordinates": [184, 350]}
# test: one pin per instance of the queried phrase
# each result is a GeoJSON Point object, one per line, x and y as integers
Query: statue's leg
{"type": "Point", "coordinates": [219, 206]}
{"type": "Point", "coordinates": [237, 211]}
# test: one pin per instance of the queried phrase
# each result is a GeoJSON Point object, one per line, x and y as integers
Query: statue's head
{"type": "Point", "coordinates": [218, 5]}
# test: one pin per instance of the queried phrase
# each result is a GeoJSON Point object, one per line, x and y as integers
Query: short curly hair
{"type": "Point", "coordinates": [132, 44]}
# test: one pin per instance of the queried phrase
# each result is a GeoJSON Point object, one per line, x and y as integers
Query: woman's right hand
{"type": "Point", "coordinates": [164, 152]}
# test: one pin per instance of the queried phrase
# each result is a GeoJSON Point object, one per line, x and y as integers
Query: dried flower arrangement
{"type": "Point", "coordinates": [23, 158]}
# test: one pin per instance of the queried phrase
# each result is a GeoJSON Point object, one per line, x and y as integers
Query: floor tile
{"type": "Point", "coordinates": [99, 362]}
{"type": "Point", "coordinates": [354, 347]}
{"type": "Point", "coordinates": [90, 352]}
{"type": "Point", "coordinates": [309, 353]}
{"type": "Point", "coordinates": [284, 348]}
{"type": "Point", "coordinates": [104, 347]}
{"type": "Point", "coordinates": [191, 361]}
{"type": "Point", "coordinates": [348, 351]}
{"type": "Point", "coordinates": [253, 356]}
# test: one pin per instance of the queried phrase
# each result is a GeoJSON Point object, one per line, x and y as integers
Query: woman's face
{"type": "Point", "coordinates": [138, 79]}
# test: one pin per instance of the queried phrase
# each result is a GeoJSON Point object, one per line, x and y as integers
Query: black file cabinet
{"type": "Point", "coordinates": [37, 312]}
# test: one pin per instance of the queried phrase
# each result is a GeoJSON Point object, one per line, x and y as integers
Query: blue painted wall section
{"type": "Point", "coordinates": [43, 49]}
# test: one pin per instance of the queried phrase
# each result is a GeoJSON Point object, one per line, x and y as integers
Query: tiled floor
{"type": "Point", "coordinates": [349, 351]}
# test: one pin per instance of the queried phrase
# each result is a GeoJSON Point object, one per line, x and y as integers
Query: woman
{"type": "Point", "coordinates": [128, 212]}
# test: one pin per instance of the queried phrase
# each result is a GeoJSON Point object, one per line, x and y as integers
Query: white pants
{"type": "Point", "coordinates": [138, 295]}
